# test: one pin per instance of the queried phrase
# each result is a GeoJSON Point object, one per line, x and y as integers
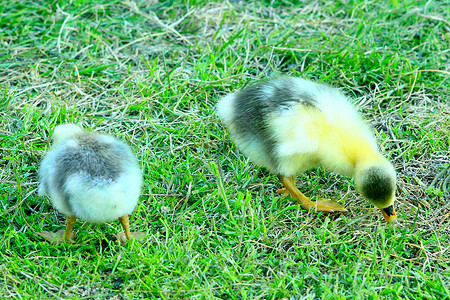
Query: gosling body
{"type": "Point", "coordinates": [90, 176]}
{"type": "Point", "coordinates": [289, 125]}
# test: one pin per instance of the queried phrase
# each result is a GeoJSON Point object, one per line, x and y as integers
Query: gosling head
{"type": "Point", "coordinates": [65, 131]}
{"type": "Point", "coordinates": [377, 184]}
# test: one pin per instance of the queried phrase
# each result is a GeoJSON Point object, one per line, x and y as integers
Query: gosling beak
{"type": "Point", "coordinates": [389, 213]}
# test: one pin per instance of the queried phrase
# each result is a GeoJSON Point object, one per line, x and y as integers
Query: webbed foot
{"type": "Point", "coordinates": [122, 238]}
{"type": "Point", "coordinates": [327, 205]}
{"type": "Point", "coordinates": [58, 237]}
{"type": "Point", "coordinates": [324, 205]}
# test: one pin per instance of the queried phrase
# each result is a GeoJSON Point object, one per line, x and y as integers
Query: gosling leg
{"type": "Point", "coordinates": [68, 234]}
{"type": "Point", "coordinates": [125, 221]}
{"type": "Point", "coordinates": [325, 205]}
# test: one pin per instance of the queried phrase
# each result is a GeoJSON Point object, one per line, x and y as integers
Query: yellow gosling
{"type": "Point", "coordinates": [289, 125]}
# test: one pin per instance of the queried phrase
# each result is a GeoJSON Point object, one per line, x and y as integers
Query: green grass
{"type": "Point", "coordinates": [151, 72]}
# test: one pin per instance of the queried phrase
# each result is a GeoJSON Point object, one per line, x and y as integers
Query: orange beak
{"type": "Point", "coordinates": [389, 213]}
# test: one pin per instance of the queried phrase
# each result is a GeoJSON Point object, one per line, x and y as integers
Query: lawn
{"type": "Point", "coordinates": [150, 73]}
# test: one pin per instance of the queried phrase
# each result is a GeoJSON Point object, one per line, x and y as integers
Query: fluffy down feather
{"type": "Point", "coordinates": [89, 175]}
{"type": "Point", "coordinates": [289, 125]}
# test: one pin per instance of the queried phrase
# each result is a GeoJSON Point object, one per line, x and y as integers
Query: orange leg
{"type": "Point", "coordinates": [68, 235]}
{"type": "Point", "coordinates": [319, 205]}
{"type": "Point", "coordinates": [62, 235]}
{"type": "Point", "coordinates": [125, 221]}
